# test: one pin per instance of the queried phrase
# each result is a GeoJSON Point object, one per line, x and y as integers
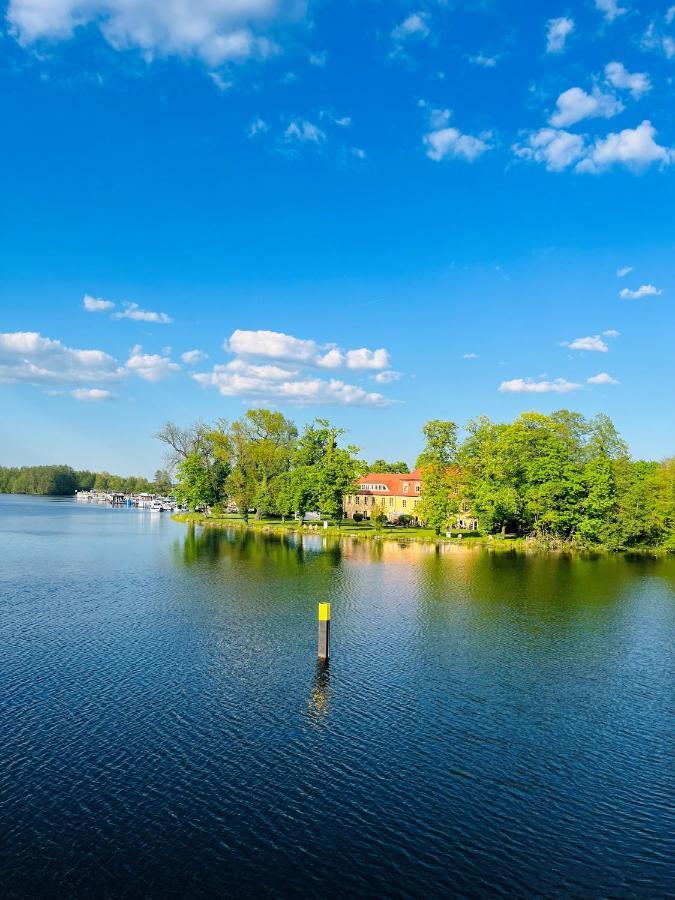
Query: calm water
{"type": "Point", "coordinates": [489, 725]}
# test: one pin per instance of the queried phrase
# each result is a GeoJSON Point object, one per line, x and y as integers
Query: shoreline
{"type": "Point", "coordinates": [494, 543]}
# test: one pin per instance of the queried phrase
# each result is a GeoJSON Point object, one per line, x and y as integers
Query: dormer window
{"type": "Point", "coordinates": [405, 487]}
{"type": "Point", "coordinates": [417, 488]}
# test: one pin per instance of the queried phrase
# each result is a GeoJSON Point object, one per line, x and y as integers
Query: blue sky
{"type": "Point", "coordinates": [375, 212]}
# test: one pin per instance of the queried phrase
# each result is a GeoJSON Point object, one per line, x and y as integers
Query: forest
{"type": "Point", "coordinates": [559, 479]}
{"type": "Point", "coordinates": [63, 481]}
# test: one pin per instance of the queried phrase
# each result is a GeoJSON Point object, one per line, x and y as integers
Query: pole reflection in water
{"type": "Point", "coordinates": [319, 700]}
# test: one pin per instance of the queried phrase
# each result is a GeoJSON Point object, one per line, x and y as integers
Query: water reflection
{"type": "Point", "coordinates": [319, 700]}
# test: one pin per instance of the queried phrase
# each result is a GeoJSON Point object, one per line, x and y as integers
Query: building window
{"type": "Point", "coordinates": [404, 502]}
{"type": "Point", "coordinates": [391, 501]}
{"type": "Point", "coordinates": [417, 488]}
{"type": "Point", "coordinates": [414, 502]}
{"type": "Point", "coordinates": [358, 501]}
{"type": "Point", "coordinates": [405, 488]}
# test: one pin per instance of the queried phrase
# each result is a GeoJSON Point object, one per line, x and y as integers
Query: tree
{"type": "Point", "coordinates": [438, 477]}
{"type": "Point", "coordinates": [380, 465]}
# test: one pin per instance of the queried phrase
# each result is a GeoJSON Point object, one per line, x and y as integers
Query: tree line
{"type": "Point", "coordinates": [63, 481]}
{"type": "Point", "coordinates": [558, 478]}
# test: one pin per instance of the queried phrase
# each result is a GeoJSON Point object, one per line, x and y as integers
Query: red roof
{"type": "Point", "coordinates": [392, 481]}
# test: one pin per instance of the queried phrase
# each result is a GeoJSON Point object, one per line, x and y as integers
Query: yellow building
{"type": "Point", "coordinates": [397, 495]}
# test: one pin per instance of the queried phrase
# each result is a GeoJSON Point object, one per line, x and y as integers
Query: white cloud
{"type": "Point", "coordinates": [556, 149]}
{"type": "Point", "coordinates": [220, 82]}
{"type": "Point", "coordinates": [358, 152]}
{"type": "Point", "coordinates": [618, 76]}
{"type": "Point", "coordinates": [151, 367]}
{"type": "Point", "coordinates": [192, 357]}
{"type": "Point", "coordinates": [133, 311]}
{"type": "Point", "coordinates": [645, 290]}
{"type": "Point", "coordinates": [277, 345]}
{"type": "Point", "coordinates": [304, 132]}
{"type": "Point", "coordinates": [93, 395]}
{"type": "Point", "coordinates": [610, 9]}
{"type": "Point", "coordinates": [557, 32]}
{"type": "Point", "coordinates": [416, 25]}
{"type": "Point", "coordinates": [367, 359]}
{"type": "Point", "coordinates": [211, 30]}
{"type": "Point", "coordinates": [611, 333]}
{"type": "Point", "coordinates": [487, 62]}
{"type": "Point", "coordinates": [623, 271]}
{"type": "Point", "coordinates": [602, 378]}
{"type": "Point", "coordinates": [333, 359]}
{"type": "Point", "coordinates": [387, 377]}
{"type": "Point", "coordinates": [529, 386]}
{"type": "Point", "coordinates": [470, 356]}
{"type": "Point", "coordinates": [632, 147]}
{"type": "Point", "coordinates": [594, 343]}
{"type": "Point", "coordinates": [257, 126]}
{"type": "Point", "coordinates": [93, 304]}
{"type": "Point", "coordinates": [273, 344]}
{"type": "Point", "coordinates": [654, 39]}
{"type": "Point", "coordinates": [575, 104]}
{"type": "Point", "coordinates": [27, 356]}
{"type": "Point", "coordinates": [238, 379]}
{"type": "Point", "coordinates": [450, 143]}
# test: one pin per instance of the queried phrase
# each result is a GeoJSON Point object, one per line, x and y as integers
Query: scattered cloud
{"type": "Point", "coordinates": [575, 104]}
{"type": "Point", "coordinates": [443, 142]}
{"type": "Point", "coordinates": [28, 357]}
{"type": "Point", "coordinates": [193, 357]}
{"type": "Point", "coordinates": [634, 148]}
{"type": "Point", "coordinates": [415, 26]}
{"type": "Point", "coordinates": [280, 346]}
{"type": "Point", "coordinates": [470, 356]}
{"type": "Point", "coordinates": [151, 367]}
{"type": "Point", "coordinates": [318, 59]}
{"type": "Point", "coordinates": [529, 386]}
{"type": "Point", "coordinates": [638, 83]}
{"type": "Point", "coordinates": [655, 39]}
{"type": "Point", "coordinates": [623, 271]}
{"type": "Point", "coordinates": [271, 365]}
{"type": "Point", "coordinates": [220, 82]}
{"type": "Point", "coordinates": [213, 31]}
{"type": "Point", "coordinates": [610, 9]}
{"type": "Point", "coordinates": [611, 333]}
{"type": "Point", "coordinates": [557, 32]}
{"type": "Point", "coordinates": [91, 395]}
{"type": "Point", "coordinates": [133, 311]}
{"type": "Point", "coordinates": [601, 378]}
{"type": "Point", "coordinates": [367, 359]}
{"type": "Point", "coordinates": [645, 290]}
{"type": "Point", "coordinates": [237, 379]}
{"type": "Point", "coordinates": [387, 377]}
{"type": "Point", "coordinates": [257, 126]}
{"type": "Point", "coordinates": [486, 62]}
{"type": "Point", "coordinates": [304, 132]}
{"type": "Point", "coordinates": [94, 304]}
{"type": "Point", "coordinates": [594, 343]}
{"type": "Point", "coordinates": [557, 150]}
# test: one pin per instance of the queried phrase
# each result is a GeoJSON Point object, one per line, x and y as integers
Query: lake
{"type": "Point", "coordinates": [489, 724]}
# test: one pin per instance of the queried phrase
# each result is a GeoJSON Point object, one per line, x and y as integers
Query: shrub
{"type": "Point", "coordinates": [357, 517]}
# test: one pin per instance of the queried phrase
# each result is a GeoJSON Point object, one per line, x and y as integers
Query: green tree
{"type": "Point", "coordinates": [436, 461]}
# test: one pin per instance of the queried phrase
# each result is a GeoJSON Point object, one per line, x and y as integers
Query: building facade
{"type": "Point", "coordinates": [396, 495]}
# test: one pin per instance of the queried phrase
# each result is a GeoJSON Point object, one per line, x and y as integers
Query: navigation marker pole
{"type": "Point", "coordinates": [324, 631]}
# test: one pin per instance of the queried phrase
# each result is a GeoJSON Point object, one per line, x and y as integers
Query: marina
{"type": "Point", "coordinates": [151, 502]}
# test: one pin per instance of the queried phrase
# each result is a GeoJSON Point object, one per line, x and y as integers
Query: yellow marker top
{"type": "Point", "coordinates": [324, 612]}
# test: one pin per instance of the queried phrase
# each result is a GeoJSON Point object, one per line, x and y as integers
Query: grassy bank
{"type": "Point", "coordinates": [348, 528]}
{"type": "Point", "coordinates": [368, 531]}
